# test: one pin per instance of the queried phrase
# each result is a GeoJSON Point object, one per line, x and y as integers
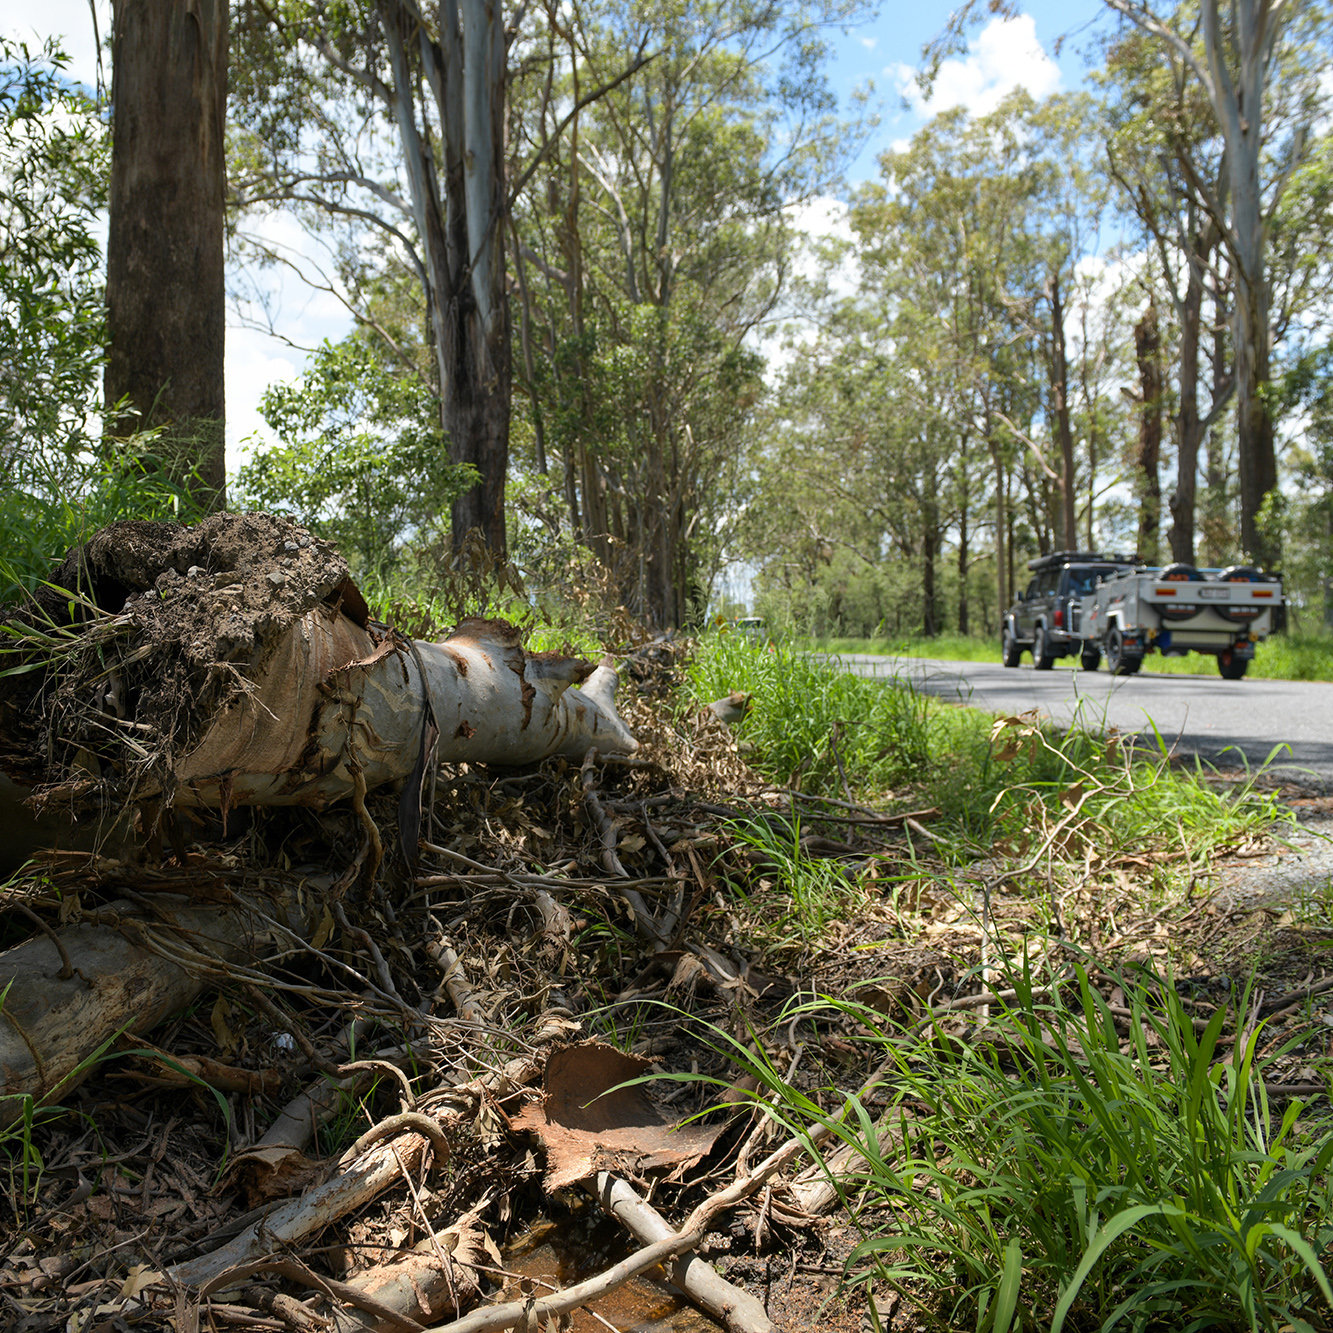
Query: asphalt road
{"type": "Point", "coordinates": [1204, 715]}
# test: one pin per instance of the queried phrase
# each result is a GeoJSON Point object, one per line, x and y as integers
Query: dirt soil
{"type": "Point", "coordinates": [197, 611]}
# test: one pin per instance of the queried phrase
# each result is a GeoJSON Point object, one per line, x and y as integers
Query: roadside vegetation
{"type": "Point", "coordinates": [1092, 1147]}
{"type": "Point", "coordinates": [985, 972]}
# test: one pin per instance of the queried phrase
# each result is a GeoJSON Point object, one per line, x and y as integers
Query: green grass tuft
{"type": "Point", "coordinates": [1061, 1167]}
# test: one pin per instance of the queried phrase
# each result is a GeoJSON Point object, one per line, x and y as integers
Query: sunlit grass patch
{"type": "Point", "coordinates": [1061, 1163]}
{"type": "Point", "coordinates": [994, 789]}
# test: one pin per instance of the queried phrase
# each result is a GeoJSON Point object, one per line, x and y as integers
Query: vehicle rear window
{"type": "Point", "coordinates": [1082, 581]}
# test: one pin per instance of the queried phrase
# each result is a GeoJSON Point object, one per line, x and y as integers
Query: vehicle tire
{"type": "Point", "coordinates": [1090, 660]}
{"type": "Point", "coordinates": [1241, 615]}
{"type": "Point", "coordinates": [1179, 573]}
{"type": "Point", "coordinates": [1231, 667]}
{"type": "Point", "coordinates": [1041, 660]}
{"type": "Point", "coordinates": [1011, 651]}
{"type": "Point", "coordinates": [1118, 661]}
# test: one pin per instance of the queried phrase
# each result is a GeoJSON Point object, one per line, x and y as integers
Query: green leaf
{"type": "Point", "coordinates": [1006, 1298]}
{"type": "Point", "coordinates": [1307, 1255]}
{"type": "Point", "coordinates": [1111, 1232]}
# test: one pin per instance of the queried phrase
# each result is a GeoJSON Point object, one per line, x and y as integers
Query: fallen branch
{"type": "Point", "coordinates": [454, 981]}
{"type": "Point", "coordinates": [701, 1283]}
{"type": "Point", "coordinates": [1271, 1007]}
{"type": "Point", "coordinates": [366, 1178]}
{"type": "Point", "coordinates": [130, 973]}
{"type": "Point", "coordinates": [644, 920]}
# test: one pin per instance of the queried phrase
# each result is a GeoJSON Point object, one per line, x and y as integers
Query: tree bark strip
{"type": "Point", "coordinates": [1147, 353]}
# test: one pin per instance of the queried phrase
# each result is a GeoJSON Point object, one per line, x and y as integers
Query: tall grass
{"type": "Point", "coordinates": [1062, 1167]}
{"type": "Point", "coordinates": [45, 511]}
{"type": "Point", "coordinates": [806, 717]}
{"type": "Point", "coordinates": [949, 646]}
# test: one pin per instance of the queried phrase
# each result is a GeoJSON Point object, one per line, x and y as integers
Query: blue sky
{"type": "Point", "coordinates": [1001, 56]}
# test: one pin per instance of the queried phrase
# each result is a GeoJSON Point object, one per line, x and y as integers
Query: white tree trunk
{"type": "Point", "coordinates": [331, 701]}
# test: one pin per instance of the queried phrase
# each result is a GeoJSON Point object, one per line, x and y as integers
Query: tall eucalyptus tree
{"type": "Point", "coordinates": [653, 245]}
{"type": "Point", "coordinates": [166, 303]}
{"type": "Point", "coordinates": [390, 118]}
{"type": "Point", "coordinates": [1233, 52]}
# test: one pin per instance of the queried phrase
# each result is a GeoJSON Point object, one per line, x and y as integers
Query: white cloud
{"type": "Point", "coordinates": [1006, 55]}
{"type": "Point", "coordinates": [824, 217]}
{"type": "Point", "coordinates": [870, 43]}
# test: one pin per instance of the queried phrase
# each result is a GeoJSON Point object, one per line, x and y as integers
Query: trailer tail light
{"type": "Point", "coordinates": [1166, 592]}
{"type": "Point", "coordinates": [1059, 618]}
{"type": "Point", "coordinates": [1259, 592]}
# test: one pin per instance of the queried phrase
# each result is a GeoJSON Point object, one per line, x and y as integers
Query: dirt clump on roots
{"type": "Point", "coordinates": [173, 623]}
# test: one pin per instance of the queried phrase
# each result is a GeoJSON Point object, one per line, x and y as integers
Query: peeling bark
{"type": "Point", "coordinates": [332, 704]}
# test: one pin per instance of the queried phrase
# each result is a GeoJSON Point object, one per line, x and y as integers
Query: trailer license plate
{"type": "Point", "coordinates": [1215, 594]}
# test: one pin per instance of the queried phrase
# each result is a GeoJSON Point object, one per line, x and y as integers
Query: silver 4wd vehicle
{"type": "Point", "coordinates": [1046, 617]}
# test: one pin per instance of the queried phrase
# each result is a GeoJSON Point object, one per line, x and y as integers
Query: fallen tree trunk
{"type": "Point", "coordinates": [337, 707]}
{"type": "Point", "coordinates": [234, 663]}
{"type": "Point", "coordinates": [126, 974]}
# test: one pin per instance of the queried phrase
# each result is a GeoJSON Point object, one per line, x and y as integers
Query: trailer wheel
{"type": "Point", "coordinates": [1231, 667]}
{"type": "Point", "coordinates": [1118, 661]}
{"type": "Point", "coordinates": [1090, 659]}
{"type": "Point", "coordinates": [1180, 572]}
{"type": "Point", "coordinates": [1041, 659]}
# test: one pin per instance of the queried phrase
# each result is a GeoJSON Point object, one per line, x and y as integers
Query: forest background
{"type": "Point", "coordinates": [1034, 325]}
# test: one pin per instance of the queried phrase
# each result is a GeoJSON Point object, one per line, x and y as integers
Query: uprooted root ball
{"type": "Point", "coordinates": [143, 634]}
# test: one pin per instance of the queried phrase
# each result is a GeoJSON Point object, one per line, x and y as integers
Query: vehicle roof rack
{"type": "Point", "coordinates": [1057, 558]}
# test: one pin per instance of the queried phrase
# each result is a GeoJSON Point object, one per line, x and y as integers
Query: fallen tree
{"type": "Point", "coordinates": [227, 665]}
{"type": "Point", "coordinates": [257, 678]}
